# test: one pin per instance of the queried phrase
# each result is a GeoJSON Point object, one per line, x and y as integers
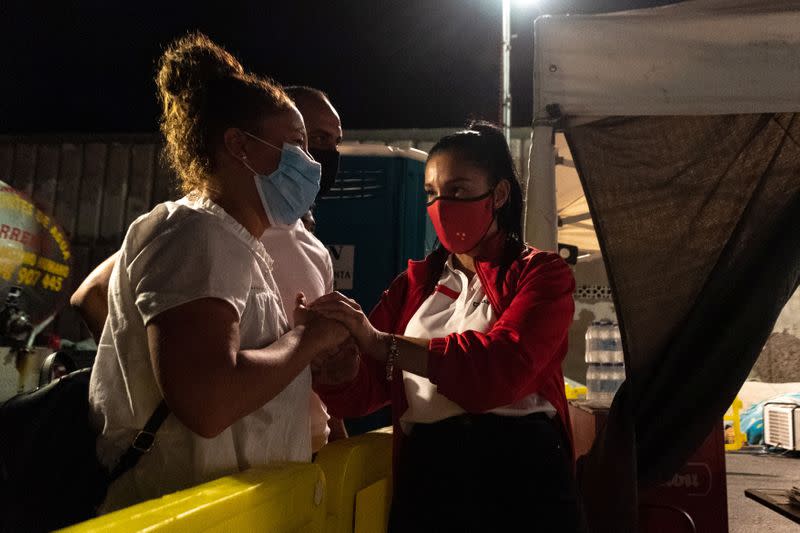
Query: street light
{"type": "Point", "coordinates": [506, 61]}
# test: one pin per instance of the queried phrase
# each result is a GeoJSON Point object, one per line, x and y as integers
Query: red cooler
{"type": "Point", "coordinates": [694, 500]}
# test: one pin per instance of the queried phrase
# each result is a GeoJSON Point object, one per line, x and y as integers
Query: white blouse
{"type": "Point", "coordinates": [458, 304]}
{"type": "Point", "coordinates": [180, 252]}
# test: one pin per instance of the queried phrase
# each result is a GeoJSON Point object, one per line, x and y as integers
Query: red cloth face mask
{"type": "Point", "coordinates": [461, 224]}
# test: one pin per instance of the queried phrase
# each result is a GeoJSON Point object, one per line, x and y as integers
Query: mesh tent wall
{"type": "Point", "coordinates": [682, 125]}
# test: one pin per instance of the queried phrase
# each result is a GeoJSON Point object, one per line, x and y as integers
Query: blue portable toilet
{"type": "Point", "coordinates": [373, 220]}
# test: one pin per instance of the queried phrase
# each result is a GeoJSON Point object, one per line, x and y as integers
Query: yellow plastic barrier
{"type": "Point", "coordinates": [372, 507]}
{"type": "Point", "coordinates": [358, 483]}
{"type": "Point", "coordinates": [733, 416]}
{"type": "Point", "coordinates": [283, 498]}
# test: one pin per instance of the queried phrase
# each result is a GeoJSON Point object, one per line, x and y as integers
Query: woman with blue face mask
{"type": "Point", "coordinates": [195, 319]}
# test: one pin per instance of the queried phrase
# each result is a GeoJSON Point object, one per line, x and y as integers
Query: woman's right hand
{"type": "Point", "coordinates": [338, 307]}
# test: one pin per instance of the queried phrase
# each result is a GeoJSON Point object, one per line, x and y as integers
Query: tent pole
{"type": "Point", "coordinates": [541, 217]}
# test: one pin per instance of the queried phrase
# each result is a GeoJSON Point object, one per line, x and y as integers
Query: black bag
{"type": "Point", "coordinates": [49, 474]}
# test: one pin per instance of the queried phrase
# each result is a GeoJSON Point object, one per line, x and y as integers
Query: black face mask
{"type": "Point", "coordinates": [329, 160]}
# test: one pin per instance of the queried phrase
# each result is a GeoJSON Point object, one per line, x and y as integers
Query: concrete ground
{"type": "Point", "coordinates": [753, 469]}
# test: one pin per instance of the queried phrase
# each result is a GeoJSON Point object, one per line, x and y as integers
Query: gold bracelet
{"type": "Point", "coordinates": [392, 356]}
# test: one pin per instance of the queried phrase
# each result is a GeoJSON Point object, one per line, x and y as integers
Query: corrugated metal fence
{"type": "Point", "coordinates": [96, 185]}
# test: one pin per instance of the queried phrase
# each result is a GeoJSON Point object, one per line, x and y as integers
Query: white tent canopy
{"type": "Point", "coordinates": [694, 58]}
{"type": "Point", "coordinates": [702, 57]}
{"type": "Point", "coordinates": [575, 223]}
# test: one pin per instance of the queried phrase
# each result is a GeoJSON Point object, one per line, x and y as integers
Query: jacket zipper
{"type": "Point", "coordinates": [488, 290]}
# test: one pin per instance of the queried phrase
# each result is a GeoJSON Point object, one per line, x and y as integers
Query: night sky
{"type": "Point", "coordinates": [89, 66]}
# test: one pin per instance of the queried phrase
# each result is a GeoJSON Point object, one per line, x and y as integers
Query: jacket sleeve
{"type": "Point", "coordinates": [369, 391]}
{"type": "Point", "coordinates": [484, 371]}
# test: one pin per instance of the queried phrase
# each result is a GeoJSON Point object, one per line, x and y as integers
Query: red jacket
{"type": "Point", "coordinates": [521, 354]}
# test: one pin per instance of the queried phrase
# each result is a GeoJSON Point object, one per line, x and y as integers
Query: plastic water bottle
{"type": "Point", "coordinates": [619, 356]}
{"type": "Point", "coordinates": [603, 381]}
{"type": "Point", "coordinates": [607, 341]}
{"type": "Point", "coordinates": [601, 342]}
{"type": "Point", "coordinates": [617, 377]}
{"type": "Point", "coordinates": [606, 362]}
{"type": "Point", "coordinates": [592, 382]}
{"type": "Point", "coordinates": [591, 339]}
{"type": "Point", "coordinates": [598, 384]}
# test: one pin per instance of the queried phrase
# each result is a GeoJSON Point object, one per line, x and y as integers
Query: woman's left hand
{"type": "Point", "coordinates": [339, 307]}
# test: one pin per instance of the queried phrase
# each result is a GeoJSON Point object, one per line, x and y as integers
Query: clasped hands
{"type": "Point", "coordinates": [344, 332]}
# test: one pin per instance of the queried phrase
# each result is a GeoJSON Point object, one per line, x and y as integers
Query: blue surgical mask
{"type": "Point", "coordinates": [287, 193]}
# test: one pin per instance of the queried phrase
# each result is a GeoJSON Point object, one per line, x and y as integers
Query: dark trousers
{"type": "Point", "coordinates": [485, 473]}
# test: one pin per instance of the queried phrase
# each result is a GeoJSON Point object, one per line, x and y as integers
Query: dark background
{"type": "Point", "coordinates": [88, 66]}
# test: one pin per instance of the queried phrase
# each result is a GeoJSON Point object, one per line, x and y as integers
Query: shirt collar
{"type": "Point", "coordinates": [201, 202]}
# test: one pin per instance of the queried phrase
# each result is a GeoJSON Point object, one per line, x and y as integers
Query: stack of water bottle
{"type": "Point", "coordinates": [604, 355]}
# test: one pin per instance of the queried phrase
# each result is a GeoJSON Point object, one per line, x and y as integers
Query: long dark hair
{"type": "Point", "coordinates": [483, 144]}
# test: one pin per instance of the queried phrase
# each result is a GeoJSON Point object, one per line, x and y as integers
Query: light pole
{"type": "Point", "coordinates": [506, 62]}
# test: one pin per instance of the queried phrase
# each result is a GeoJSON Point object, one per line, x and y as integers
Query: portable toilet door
{"type": "Point", "coordinates": [373, 220]}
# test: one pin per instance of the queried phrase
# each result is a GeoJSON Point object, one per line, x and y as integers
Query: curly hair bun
{"type": "Point", "coordinates": [190, 64]}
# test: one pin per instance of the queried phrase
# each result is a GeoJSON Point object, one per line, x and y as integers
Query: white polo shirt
{"type": "Point", "coordinates": [458, 304]}
{"type": "Point", "coordinates": [301, 264]}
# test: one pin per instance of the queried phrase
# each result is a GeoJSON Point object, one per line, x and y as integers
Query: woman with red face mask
{"type": "Point", "coordinates": [467, 346]}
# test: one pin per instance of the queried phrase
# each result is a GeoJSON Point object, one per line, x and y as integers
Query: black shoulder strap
{"type": "Point", "coordinates": [143, 442]}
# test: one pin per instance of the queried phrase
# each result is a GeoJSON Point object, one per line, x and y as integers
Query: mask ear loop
{"type": "Point", "coordinates": [494, 217]}
{"type": "Point", "coordinates": [259, 139]}
{"type": "Point", "coordinates": [473, 199]}
{"type": "Point", "coordinates": [244, 160]}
